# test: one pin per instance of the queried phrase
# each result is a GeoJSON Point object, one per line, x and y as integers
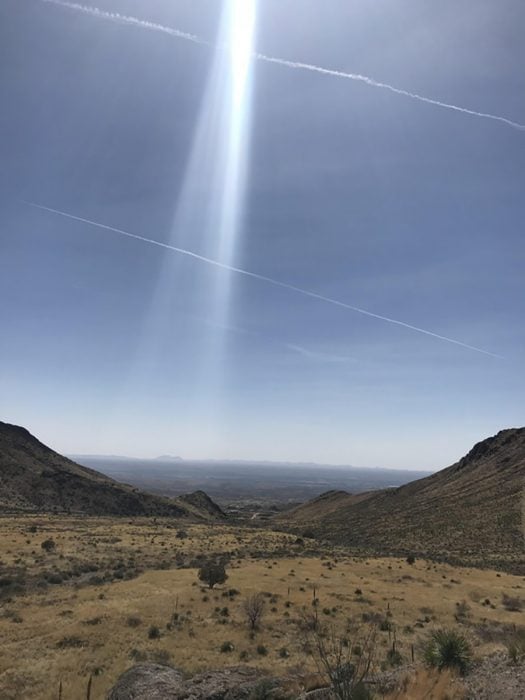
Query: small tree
{"type": "Point", "coordinates": [253, 608]}
{"type": "Point", "coordinates": [212, 573]}
{"type": "Point", "coordinates": [48, 545]}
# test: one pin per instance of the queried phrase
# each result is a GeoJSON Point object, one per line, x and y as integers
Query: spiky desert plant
{"type": "Point", "coordinates": [447, 648]}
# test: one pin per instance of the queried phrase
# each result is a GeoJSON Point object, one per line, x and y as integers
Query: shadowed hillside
{"type": "Point", "coordinates": [472, 510]}
{"type": "Point", "coordinates": [35, 478]}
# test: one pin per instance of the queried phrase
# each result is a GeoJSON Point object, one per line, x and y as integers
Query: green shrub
{"type": "Point", "coordinates": [227, 647]}
{"type": "Point", "coordinates": [154, 632]}
{"type": "Point", "coordinates": [447, 648]}
{"type": "Point", "coordinates": [212, 573]}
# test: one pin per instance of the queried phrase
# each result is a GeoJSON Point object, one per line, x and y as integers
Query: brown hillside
{"type": "Point", "coordinates": [316, 510]}
{"type": "Point", "coordinates": [35, 478]}
{"type": "Point", "coordinates": [471, 511]}
{"type": "Point", "coordinates": [200, 501]}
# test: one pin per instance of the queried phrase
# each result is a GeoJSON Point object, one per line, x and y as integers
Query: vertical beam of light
{"type": "Point", "coordinates": [240, 46]}
{"type": "Point", "coordinates": [209, 209]}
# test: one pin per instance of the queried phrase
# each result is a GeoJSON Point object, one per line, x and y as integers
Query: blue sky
{"type": "Point", "coordinates": [407, 210]}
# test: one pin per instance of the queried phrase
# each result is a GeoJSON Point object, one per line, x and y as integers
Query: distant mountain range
{"type": "Point", "coordinates": [232, 462]}
{"type": "Point", "coordinates": [35, 478]}
{"type": "Point", "coordinates": [246, 484]}
{"type": "Point", "coordinates": [473, 510]}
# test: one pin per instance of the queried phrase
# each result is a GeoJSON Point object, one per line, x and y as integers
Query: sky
{"type": "Point", "coordinates": [405, 209]}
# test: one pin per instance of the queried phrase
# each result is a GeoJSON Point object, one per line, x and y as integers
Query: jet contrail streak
{"type": "Point", "coordinates": [386, 86]}
{"type": "Point", "coordinates": [170, 31]}
{"type": "Point", "coordinates": [262, 278]}
{"type": "Point", "coordinates": [126, 19]}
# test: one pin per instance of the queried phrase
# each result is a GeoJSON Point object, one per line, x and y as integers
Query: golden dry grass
{"type": "Point", "coordinates": [426, 684]}
{"type": "Point", "coordinates": [70, 630]}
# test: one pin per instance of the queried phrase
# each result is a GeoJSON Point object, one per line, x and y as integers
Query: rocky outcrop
{"type": "Point", "coordinates": [151, 681]}
{"type": "Point", "coordinates": [155, 682]}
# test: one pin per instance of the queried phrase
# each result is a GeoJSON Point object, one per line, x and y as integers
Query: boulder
{"type": "Point", "coordinates": [150, 681]}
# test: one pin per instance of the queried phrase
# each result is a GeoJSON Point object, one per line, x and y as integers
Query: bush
{"type": "Point", "coordinates": [262, 650]}
{"type": "Point", "coordinates": [72, 642]}
{"type": "Point", "coordinates": [227, 647]}
{"type": "Point", "coordinates": [263, 690]}
{"type": "Point", "coordinates": [154, 632]}
{"type": "Point", "coordinates": [133, 621]}
{"type": "Point", "coordinates": [411, 559]}
{"type": "Point", "coordinates": [48, 545]}
{"type": "Point", "coordinates": [447, 648]}
{"type": "Point", "coordinates": [512, 604]}
{"type": "Point", "coordinates": [516, 647]}
{"type": "Point", "coordinates": [212, 573]}
{"type": "Point", "coordinates": [253, 608]}
{"type": "Point", "coordinates": [462, 611]}
{"type": "Point", "coordinates": [394, 658]}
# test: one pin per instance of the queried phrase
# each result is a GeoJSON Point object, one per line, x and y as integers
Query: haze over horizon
{"type": "Point", "coordinates": [293, 263]}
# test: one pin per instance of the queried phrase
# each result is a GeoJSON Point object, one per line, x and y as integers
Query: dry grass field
{"type": "Point", "coordinates": [112, 592]}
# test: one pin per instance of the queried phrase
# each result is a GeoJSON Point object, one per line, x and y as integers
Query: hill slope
{"type": "Point", "coordinates": [34, 477]}
{"type": "Point", "coordinates": [472, 510]}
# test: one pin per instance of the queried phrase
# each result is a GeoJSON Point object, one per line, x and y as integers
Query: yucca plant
{"type": "Point", "coordinates": [447, 648]}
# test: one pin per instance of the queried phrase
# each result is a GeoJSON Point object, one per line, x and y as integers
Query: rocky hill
{"type": "Point", "coordinates": [202, 503]}
{"type": "Point", "coordinates": [35, 478]}
{"type": "Point", "coordinates": [471, 511]}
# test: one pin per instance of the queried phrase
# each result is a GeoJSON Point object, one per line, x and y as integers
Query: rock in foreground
{"type": "Point", "coordinates": [156, 682]}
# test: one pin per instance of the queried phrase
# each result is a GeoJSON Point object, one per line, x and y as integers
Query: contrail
{"type": "Point", "coordinates": [262, 278]}
{"type": "Point", "coordinates": [126, 19]}
{"type": "Point", "coordinates": [386, 86]}
{"type": "Point", "coordinates": [170, 31]}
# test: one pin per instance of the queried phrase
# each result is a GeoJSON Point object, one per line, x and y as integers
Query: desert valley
{"type": "Point", "coordinates": [98, 578]}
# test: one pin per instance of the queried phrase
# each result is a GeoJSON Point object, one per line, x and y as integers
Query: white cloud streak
{"type": "Point", "coordinates": [130, 21]}
{"type": "Point", "coordinates": [319, 356]}
{"type": "Point", "coordinates": [264, 278]}
{"type": "Point", "coordinates": [297, 65]}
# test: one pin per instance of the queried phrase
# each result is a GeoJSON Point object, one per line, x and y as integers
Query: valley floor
{"type": "Point", "coordinates": [112, 592]}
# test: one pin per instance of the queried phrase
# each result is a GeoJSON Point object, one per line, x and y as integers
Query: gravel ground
{"type": "Point", "coordinates": [495, 678]}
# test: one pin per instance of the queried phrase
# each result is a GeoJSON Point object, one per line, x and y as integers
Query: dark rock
{"type": "Point", "coordinates": [151, 681]}
{"type": "Point", "coordinates": [155, 682]}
